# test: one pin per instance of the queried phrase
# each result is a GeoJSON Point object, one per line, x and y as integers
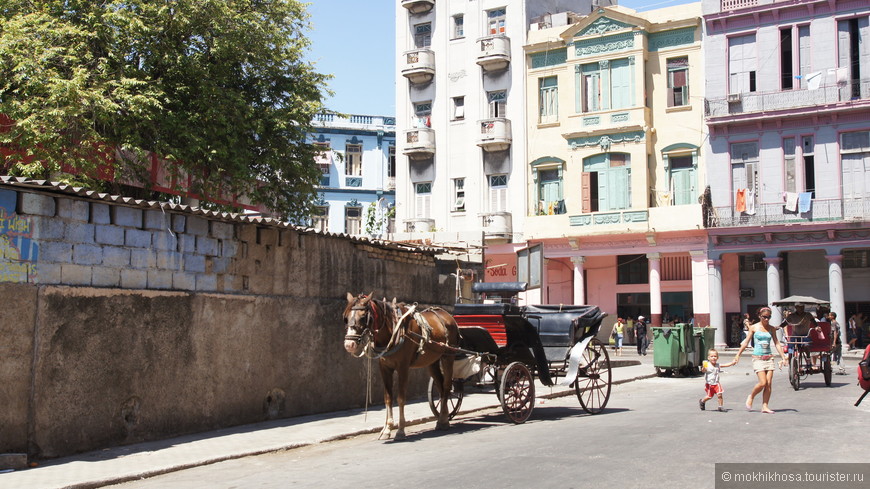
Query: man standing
{"type": "Point", "coordinates": [640, 335]}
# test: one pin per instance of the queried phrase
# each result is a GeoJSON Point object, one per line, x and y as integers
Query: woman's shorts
{"type": "Point", "coordinates": [619, 341]}
{"type": "Point", "coordinates": [759, 364]}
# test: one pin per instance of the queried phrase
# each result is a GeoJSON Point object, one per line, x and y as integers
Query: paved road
{"type": "Point", "coordinates": [652, 434]}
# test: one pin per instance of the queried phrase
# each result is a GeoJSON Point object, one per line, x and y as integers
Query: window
{"type": "Point", "coordinates": [678, 82]}
{"type": "Point", "coordinates": [741, 64]}
{"type": "Point", "coordinates": [550, 192]}
{"type": "Point", "coordinates": [391, 162]}
{"type": "Point", "coordinates": [751, 263]}
{"type": "Point", "coordinates": [632, 269]}
{"type": "Point", "coordinates": [422, 115]}
{"type": "Point", "coordinates": [423, 200]}
{"type": "Point", "coordinates": [683, 187]}
{"type": "Point", "coordinates": [786, 59]}
{"type": "Point", "coordinates": [353, 220]}
{"type": "Point", "coordinates": [530, 265]}
{"type": "Point", "coordinates": [809, 164]}
{"type": "Point", "coordinates": [804, 49]}
{"type": "Point", "coordinates": [605, 85]}
{"type": "Point", "coordinates": [458, 194]}
{"type": "Point", "coordinates": [495, 21]}
{"type": "Point", "coordinates": [458, 108]}
{"type": "Point", "coordinates": [855, 157]}
{"type": "Point", "coordinates": [498, 193]}
{"type": "Point", "coordinates": [423, 35]}
{"type": "Point", "coordinates": [853, 35]}
{"type": "Point", "coordinates": [353, 159]}
{"type": "Point", "coordinates": [458, 26]}
{"type": "Point", "coordinates": [605, 183]}
{"type": "Point", "coordinates": [497, 103]}
{"type": "Point", "coordinates": [549, 99]}
{"type": "Point", "coordinates": [744, 162]}
{"type": "Point", "coordinates": [789, 170]}
{"type": "Point", "coordinates": [320, 218]}
{"type": "Point", "coordinates": [856, 258]}
{"type": "Point", "coordinates": [324, 161]}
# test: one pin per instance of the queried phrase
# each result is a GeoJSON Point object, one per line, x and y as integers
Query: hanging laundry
{"type": "Point", "coordinates": [804, 201]}
{"type": "Point", "coordinates": [814, 80]}
{"type": "Point", "coordinates": [750, 202]}
{"type": "Point", "coordinates": [791, 200]}
{"type": "Point", "coordinates": [740, 200]}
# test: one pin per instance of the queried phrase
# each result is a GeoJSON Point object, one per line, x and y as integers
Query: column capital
{"type": "Point", "coordinates": [578, 260]}
{"type": "Point", "coordinates": [837, 259]}
{"type": "Point", "coordinates": [654, 256]}
{"type": "Point", "coordinates": [774, 260]}
{"type": "Point", "coordinates": [702, 253]}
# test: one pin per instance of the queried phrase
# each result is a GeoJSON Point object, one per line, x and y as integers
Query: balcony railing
{"type": "Point", "coordinates": [495, 52]}
{"type": "Point", "coordinates": [361, 121]}
{"type": "Point", "coordinates": [821, 210]}
{"type": "Point", "coordinates": [737, 4]}
{"type": "Point", "coordinates": [419, 65]}
{"type": "Point", "coordinates": [495, 134]}
{"type": "Point", "coordinates": [418, 6]}
{"type": "Point", "coordinates": [749, 102]}
{"type": "Point", "coordinates": [419, 143]}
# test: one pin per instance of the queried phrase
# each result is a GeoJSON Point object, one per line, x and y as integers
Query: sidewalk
{"type": "Point", "coordinates": [120, 464]}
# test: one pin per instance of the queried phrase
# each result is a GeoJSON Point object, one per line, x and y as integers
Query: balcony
{"type": "Point", "coordinates": [495, 134]}
{"type": "Point", "coordinates": [495, 52]}
{"type": "Point", "coordinates": [830, 96]}
{"type": "Point", "coordinates": [496, 225]}
{"type": "Point", "coordinates": [418, 6]}
{"type": "Point", "coordinates": [821, 210]}
{"type": "Point", "coordinates": [419, 143]}
{"type": "Point", "coordinates": [419, 66]}
{"type": "Point", "coordinates": [420, 225]}
{"type": "Point", "coordinates": [606, 122]}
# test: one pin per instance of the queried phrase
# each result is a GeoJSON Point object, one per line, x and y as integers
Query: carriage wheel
{"type": "Point", "coordinates": [454, 399]}
{"type": "Point", "coordinates": [794, 371]}
{"type": "Point", "coordinates": [593, 379]}
{"type": "Point", "coordinates": [826, 369]}
{"type": "Point", "coordinates": [517, 392]}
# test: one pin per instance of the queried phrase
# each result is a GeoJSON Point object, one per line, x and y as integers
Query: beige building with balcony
{"type": "Point", "coordinates": [614, 126]}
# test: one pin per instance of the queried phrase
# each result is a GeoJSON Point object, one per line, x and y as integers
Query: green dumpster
{"type": "Point", "coordinates": [708, 339]}
{"type": "Point", "coordinates": [671, 348]}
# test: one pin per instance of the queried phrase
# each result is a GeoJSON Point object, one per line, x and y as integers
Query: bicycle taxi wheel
{"type": "Point", "coordinates": [794, 373]}
{"type": "Point", "coordinates": [826, 367]}
{"type": "Point", "coordinates": [592, 385]}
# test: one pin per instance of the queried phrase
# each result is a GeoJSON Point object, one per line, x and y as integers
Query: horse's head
{"type": "Point", "coordinates": [358, 319]}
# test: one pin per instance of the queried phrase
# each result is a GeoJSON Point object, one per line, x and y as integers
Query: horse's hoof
{"type": "Point", "coordinates": [385, 435]}
{"type": "Point", "coordinates": [400, 435]}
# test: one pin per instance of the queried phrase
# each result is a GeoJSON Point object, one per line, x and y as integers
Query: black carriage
{"type": "Point", "coordinates": [506, 347]}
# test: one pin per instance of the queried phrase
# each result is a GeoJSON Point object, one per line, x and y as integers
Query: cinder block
{"type": "Point", "coordinates": [136, 238]}
{"type": "Point", "coordinates": [47, 273]}
{"type": "Point", "coordinates": [143, 259]}
{"type": "Point", "coordinates": [79, 232]}
{"type": "Point", "coordinates": [220, 265]}
{"type": "Point", "coordinates": [14, 461]}
{"type": "Point", "coordinates": [222, 230]}
{"type": "Point", "coordinates": [178, 223]}
{"type": "Point", "coordinates": [229, 248]}
{"type": "Point", "coordinates": [186, 243]}
{"type": "Point", "coordinates": [127, 217]}
{"type": "Point", "coordinates": [100, 213]}
{"type": "Point", "coordinates": [207, 246]}
{"type": "Point", "coordinates": [164, 240]}
{"type": "Point", "coordinates": [110, 235]}
{"type": "Point", "coordinates": [183, 281]}
{"type": "Point", "coordinates": [196, 226]}
{"type": "Point", "coordinates": [36, 204]}
{"type": "Point", "coordinates": [134, 279]}
{"type": "Point", "coordinates": [85, 254]}
{"type": "Point", "coordinates": [9, 201]}
{"type": "Point", "coordinates": [46, 227]}
{"type": "Point", "coordinates": [156, 219]}
{"type": "Point", "coordinates": [206, 283]}
{"type": "Point", "coordinates": [72, 274]}
{"type": "Point", "coordinates": [55, 251]}
{"type": "Point", "coordinates": [75, 210]}
{"type": "Point", "coordinates": [116, 257]}
{"type": "Point", "coordinates": [159, 279]}
{"type": "Point", "coordinates": [106, 277]}
{"type": "Point", "coordinates": [169, 260]}
{"type": "Point", "coordinates": [194, 263]}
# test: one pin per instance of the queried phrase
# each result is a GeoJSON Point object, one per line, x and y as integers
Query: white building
{"type": "Point", "coordinates": [357, 189]}
{"type": "Point", "coordinates": [460, 111]}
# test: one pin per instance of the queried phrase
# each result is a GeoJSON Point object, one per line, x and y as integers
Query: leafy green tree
{"type": "Point", "coordinates": [220, 87]}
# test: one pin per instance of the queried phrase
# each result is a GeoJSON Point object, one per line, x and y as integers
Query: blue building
{"type": "Point", "coordinates": [358, 186]}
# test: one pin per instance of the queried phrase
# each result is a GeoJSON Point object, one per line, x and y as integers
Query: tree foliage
{"type": "Point", "coordinates": [218, 86]}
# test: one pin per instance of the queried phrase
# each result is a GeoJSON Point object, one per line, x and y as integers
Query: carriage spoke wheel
{"type": "Point", "coordinates": [593, 378]}
{"type": "Point", "coordinates": [826, 369]}
{"type": "Point", "coordinates": [454, 400]}
{"type": "Point", "coordinates": [517, 390]}
{"type": "Point", "coordinates": [794, 371]}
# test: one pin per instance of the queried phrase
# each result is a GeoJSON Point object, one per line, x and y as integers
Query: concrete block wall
{"type": "Point", "coordinates": [126, 324]}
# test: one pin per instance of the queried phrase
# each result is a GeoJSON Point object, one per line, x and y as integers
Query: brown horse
{"type": "Point", "coordinates": [401, 338]}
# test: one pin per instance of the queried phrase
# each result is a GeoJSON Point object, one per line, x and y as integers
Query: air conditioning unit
{"type": "Point", "coordinates": [746, 293]}
{"type": "Point", "coordinates": [733, 98]}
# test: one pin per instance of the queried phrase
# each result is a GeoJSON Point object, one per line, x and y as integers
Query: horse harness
{"type": "Point", "coordinates": [371, 325]}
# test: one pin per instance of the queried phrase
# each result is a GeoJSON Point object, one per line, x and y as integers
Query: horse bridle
{"type": "Point", "coordinates": [369, 325]}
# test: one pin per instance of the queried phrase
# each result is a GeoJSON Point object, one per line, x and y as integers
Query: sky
{"type": "Point", "coordinates": [354, 41]}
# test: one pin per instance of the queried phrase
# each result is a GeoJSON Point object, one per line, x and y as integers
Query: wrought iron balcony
{"type": "Point", "coordinates": [821, 210]}
{"type": "Point", "coordinates": [495, 52]}
{"type": "Point", "coordinates": [748, 103]}
{"type": "Point", "coordinates": [419, 66]}
{"type": "Point", "coordinates": [418, 6]}
{"type": "Point", "coordinates": [495, 134]}
{"type": "Point", "coordinates": [419, 143]}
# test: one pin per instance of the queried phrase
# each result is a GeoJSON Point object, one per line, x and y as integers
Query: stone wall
{"type": "Point", "coordinates": [125, 323]}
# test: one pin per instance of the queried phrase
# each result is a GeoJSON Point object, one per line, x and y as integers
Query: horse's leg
{"type": "Point", "coordinates": [387, 378]}
{"type": "Point", "coordinates": [401, 390]}
{"type": "Point", "coordinates": [447, 372]}
{"type": "Point", "coordinates": [438, 378]}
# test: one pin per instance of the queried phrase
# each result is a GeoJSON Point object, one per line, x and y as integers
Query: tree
{"type": "Point", "coordinates": [220, 87]}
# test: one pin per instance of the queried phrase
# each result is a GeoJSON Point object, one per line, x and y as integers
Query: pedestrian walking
{"type": "Point", "coordinates": [619, 334]}
{"type": "Point", "coordinates": [712, 386]}
{"type": "Point", "coordinates": [766, 343]}
{"type": "Point", "coordinates": [640, 335]}
{"type": "Point", "coordinates": [852, 331]}
{"type": "Point", "coordinates": [836, 342]}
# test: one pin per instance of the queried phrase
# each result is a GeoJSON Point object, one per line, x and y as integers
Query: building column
{"type": "Point", "coordinates": [579, 288]}
{"type": "Point", "coordinates": [774, 289]}
{"type": "Point", "coordinates": [835, 288]}
{"type": "Point", "coordinates": [700, 289]}
{"type": "Point", "coordinates": [717, 302]}
{"type": "Point", "coordinates": [655, 288]}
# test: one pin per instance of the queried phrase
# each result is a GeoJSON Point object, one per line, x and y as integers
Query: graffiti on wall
{"type": "Point", "coordinates": [18, 249]}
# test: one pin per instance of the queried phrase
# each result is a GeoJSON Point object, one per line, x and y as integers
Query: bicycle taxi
{"type": "Point", "coordinates": [808, 353]}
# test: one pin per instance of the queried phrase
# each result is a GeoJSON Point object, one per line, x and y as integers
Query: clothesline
{"type": "Point", "coordinates": [745, 201]}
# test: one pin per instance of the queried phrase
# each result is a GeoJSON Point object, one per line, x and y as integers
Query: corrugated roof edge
{"type": "Point", "coordinates": [46, 186]}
